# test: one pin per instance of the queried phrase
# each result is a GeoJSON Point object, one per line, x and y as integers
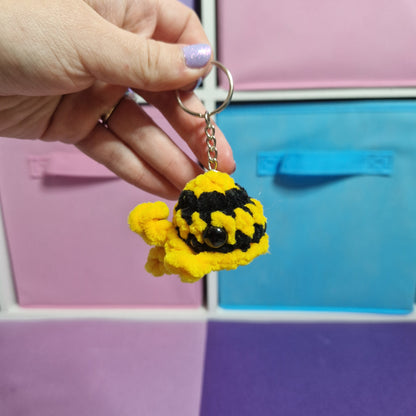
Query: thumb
{"type": "Point", "coordinates": [117, 56]}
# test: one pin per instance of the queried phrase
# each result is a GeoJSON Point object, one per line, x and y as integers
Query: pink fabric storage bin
{"type": "Point", "coordinates": [66, 224]}
{"type": "Point", "coordinates": [101, 368]}
{"type": "Point", "coordinates": [298, 44]}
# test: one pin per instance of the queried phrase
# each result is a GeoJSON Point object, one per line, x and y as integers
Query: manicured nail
{"type": "Point", "coordinates": [197, 56]}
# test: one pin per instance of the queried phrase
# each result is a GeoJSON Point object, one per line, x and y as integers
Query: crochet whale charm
{"type": "Point", "coordinates": [215, 226]}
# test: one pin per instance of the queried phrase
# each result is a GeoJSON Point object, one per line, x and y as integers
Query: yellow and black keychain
{"type": "Point", "coordinates": [215, 224]}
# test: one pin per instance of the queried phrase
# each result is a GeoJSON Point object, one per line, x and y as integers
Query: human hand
{"type": "Point", "coordinates": [66, 63]}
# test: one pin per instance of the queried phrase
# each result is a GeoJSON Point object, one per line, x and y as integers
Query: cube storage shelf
{"type": "Point", "coordinates": [314, 122]}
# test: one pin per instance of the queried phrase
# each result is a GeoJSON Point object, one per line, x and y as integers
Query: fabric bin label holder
{"type": "Point", "coordinates": [336, 180]}
{"type": "Point", "coordinates": [66, 164]}
{"type": "Point", "coordinates": [329, 163]}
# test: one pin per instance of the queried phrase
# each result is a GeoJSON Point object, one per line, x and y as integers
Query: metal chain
{"type": "Point", "coordinates": [209, 128]}
{"type": "Point", "coordinates": [211, 142]}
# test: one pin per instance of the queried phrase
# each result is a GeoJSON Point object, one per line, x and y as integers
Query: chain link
{"type": "Point", "coordinates": [211, 142]}
{"type": "Point", "coordinates": [209, 128]}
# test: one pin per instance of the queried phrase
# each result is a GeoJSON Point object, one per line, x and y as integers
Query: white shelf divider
{"type": "Point", "coordinates": [211, 95]}
{"type": "Point", "coordinates": [7, 291]}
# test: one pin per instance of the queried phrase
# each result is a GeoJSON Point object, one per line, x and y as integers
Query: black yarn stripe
{"type": "Point", "coordinates": [243, 241]}
{"type": "Point", "coordinates": [209, 202]}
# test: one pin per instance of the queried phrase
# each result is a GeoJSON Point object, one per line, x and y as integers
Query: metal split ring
{"type": "Point", "coordinates": [223, 105]}
{"type": "Point", "coordinates": [106, 116]}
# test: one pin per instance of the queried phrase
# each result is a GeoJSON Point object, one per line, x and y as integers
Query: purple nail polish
{"type": "Point", "coordinates": [197, 56]}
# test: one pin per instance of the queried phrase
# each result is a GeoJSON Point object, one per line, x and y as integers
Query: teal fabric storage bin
{"type": "Point", "coordinates": [338, 185]}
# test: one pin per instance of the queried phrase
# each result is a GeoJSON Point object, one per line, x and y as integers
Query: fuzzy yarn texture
{"type": "Point", "coordinates": [215, 226]}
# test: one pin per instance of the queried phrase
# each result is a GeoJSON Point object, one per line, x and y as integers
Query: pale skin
{"type": "Point", "coordinates": [65, 63]}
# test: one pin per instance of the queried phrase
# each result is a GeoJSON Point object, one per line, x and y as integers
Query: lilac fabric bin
{"type": "Point", "coordinates": [105, 368]}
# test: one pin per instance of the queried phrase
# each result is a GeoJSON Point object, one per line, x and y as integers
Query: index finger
{"type": "Point", "coordinates": [177, 23]}
{"type": "Point", "coordinates": [191, 128]}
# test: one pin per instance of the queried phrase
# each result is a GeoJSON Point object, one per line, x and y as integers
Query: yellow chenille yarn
{"type": "Point", "coordinates": [181, 245]}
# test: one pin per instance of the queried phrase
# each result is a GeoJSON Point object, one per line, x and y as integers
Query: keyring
{"type": "Point", "coordinates": [211, 141]}
{"type": "Point", "coordinates": [223, 105]}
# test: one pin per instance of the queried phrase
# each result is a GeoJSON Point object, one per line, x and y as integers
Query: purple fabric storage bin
{"type": "Point", "coordinates": [292, 44]}
{"type": "Point", "coordinates": [314, 369]}
{"type": "Point", "coordinates": [103, 368]}
{"type": "Point", "coordinates": [66, 225]}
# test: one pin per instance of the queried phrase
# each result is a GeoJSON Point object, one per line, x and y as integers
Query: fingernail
{"type": "Point", "coordinates": [197, 56]}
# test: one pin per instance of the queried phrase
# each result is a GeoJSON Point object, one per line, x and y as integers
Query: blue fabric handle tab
{"type": "Point", "coordinates": [325, 163]}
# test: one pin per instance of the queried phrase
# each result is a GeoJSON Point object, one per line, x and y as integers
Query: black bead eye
{"type": "Point", "coordinates": [215, 237]}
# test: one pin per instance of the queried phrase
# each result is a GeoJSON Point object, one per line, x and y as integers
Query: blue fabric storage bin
{"type": "Point", "coordinates": [338, 185]}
